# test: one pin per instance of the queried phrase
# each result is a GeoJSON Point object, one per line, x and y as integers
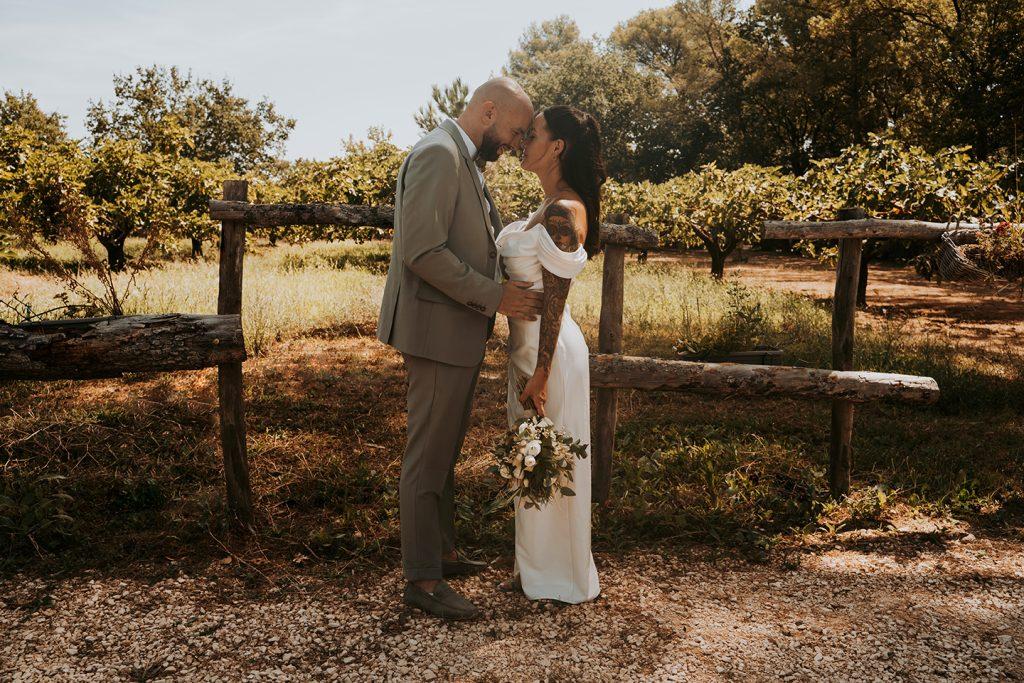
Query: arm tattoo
{"type": "Point", "coordinates": [556, 290]}
{"type": "Point", "coordinates": [558, 221]}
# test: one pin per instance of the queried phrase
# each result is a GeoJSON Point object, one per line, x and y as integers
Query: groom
{"type": "Point", "coordinates": [439, 303]}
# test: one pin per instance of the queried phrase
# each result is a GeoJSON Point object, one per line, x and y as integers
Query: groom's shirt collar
{"type": "Point", "coordinates": [470, 147]}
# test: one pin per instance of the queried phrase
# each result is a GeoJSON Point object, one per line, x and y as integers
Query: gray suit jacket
{"type": "Point", "coordinates": [443, 287]}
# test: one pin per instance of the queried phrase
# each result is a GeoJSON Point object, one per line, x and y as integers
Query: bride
{"type": "Point", "coordinates": [549, 367]}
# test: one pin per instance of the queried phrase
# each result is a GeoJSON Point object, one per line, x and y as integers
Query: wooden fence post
{"type": "Point", "coordinates": [229, 375]}
{"type": "Point", "coordinates": [844, 308]}
{"type": "Point", "coordinates": [609, 340]}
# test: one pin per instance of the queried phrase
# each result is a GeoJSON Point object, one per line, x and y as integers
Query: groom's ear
{"type": "Point", "coordinates": [490, 111]}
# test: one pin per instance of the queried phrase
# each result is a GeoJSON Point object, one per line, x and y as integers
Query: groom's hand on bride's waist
{"type": "Point", "coordinates": [519, 301]}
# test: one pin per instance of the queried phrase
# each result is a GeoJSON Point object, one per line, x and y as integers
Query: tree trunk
{"type": "Point", "coordinates": [718, 265]}
{"type": "Point", "coordinates": [89, 348]}
{"type": "Point", "coordinates": [197, 248]}
{"type": "Point", "coordinates": [116, 260]}
{"type": "Point", "coordinates": [862, 281]}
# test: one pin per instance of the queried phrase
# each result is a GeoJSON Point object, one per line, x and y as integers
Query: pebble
{"type": "Point", "coordinates": [661, 616]}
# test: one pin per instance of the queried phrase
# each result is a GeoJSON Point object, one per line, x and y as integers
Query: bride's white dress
{"type": "Point", "coordinates": [553, 557]}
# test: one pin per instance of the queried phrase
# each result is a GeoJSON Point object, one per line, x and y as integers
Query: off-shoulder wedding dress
{"type": "Point", "coordinates": [553, 557]}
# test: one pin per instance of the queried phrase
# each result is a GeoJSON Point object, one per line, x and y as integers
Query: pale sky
{"type": "Point", "coordinates": [336, 67]}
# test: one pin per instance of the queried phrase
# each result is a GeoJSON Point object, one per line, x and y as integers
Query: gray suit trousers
{"type": "Point", "coordinates": [439, 400]}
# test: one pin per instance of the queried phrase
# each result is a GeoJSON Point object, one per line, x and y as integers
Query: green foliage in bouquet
{"type": "Point", "coordinates": [534, 461]}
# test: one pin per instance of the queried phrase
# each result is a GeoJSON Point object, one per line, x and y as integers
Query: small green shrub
{"type": "Point", "coordinates": [745, 325]}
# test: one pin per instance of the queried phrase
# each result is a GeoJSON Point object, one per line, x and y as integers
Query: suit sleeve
{"type": "Point", "coordinates": [428, 205]}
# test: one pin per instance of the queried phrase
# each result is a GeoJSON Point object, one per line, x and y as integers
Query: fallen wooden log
{"type": "Point", "coordinates": [655, 374]}
{"type": "Point", "coordinates": [91, 348]}
{"type": "Point", "coordinates": [863, 228]}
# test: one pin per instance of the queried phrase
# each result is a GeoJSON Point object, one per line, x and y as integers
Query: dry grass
{"type": "Point", "coordinates": [326, 427]}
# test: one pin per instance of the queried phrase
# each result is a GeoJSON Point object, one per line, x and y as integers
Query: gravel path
{"type": "Point", "coordinates": [873, 607]}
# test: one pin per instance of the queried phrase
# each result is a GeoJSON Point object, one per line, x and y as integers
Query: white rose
{"type": "Point", "coordinates": [529, 462]}
{"type": "Point", "coordinates": [545, 422]}
{"type": "Point", "coordinates": [523, 427]}
{"type": "Point", "coordinates": [532, 448]}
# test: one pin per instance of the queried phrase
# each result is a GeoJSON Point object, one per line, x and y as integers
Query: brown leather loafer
{"type": "Point", "coordinates": [442, 602]}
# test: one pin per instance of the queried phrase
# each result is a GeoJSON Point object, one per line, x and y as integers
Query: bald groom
{"type": "Point", "coordinates": [442, 293]}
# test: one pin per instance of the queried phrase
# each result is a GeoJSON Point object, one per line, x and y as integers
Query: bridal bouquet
{"type": "Point", "coordinates": [535, 460]}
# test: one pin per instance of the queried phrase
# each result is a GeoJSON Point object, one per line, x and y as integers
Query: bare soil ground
{"type": "Point", "coordinates": [919, 603]}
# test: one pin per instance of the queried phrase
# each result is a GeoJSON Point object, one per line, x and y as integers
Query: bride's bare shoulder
{"type": "Point", "coordinates": [566, 221]}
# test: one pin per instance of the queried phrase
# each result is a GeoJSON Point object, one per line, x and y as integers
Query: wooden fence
{"type": "Point", "coordinates": [92, 348]}
{"type": "Point", "coordinates": [851, 228]}
{"type": "Point", "coordinates": [610, 371]}
{"type": "Point", "coordinates": [108, 347]}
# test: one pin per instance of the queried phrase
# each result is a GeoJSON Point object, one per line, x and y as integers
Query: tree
{"type": "Point", "coordinates": [41, 185]}
{"type": "Point", "coordinates": [965, 71]}
{"type": "Point", "coordinates": [191, 184]}
{"type": "Point", "coordinates": [892, 179]}
{"type": "Point", "coordinates": [702, 61]}
{"type": "Point", "coordinates": [663, 41]}
{"type": "Point", "coordinates": [450, 102]}
{"type": "Point", "coordinates": [540, 45]}
{"type": "Point", "coordinates": [827, 75]}
{"type": "Point", "coordinates": [155, 105]}
{"type": "Point", "coordinates": [130, 192]}
{"type": "Point", "coordinates": [25, 130]}
{"type": "Point", "coordinates": [784, 83]}
{"type": "Point", "coordinates": [683, 133]}
{"type": "Point", "coordinates": [724, 209]}
{"type": "Point", "coordinates": [43, 199]}
{"type": "Point", "coordinates": [151, 195]}
{"type": "Point", "coordinates": [23, 110]}
{"type": "Point", "coordinates": [554, 66]}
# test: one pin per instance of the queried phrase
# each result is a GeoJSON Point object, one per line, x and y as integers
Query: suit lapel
{"type": "Point", "coordinates": [452, 129]}
{"type": "Point", "coordinates": [495, 217]}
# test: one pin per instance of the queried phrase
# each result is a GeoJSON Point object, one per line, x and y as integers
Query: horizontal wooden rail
{"type": "Point", "coordinates": [629, 236]}
{"type": "Point", "coordinates": [654, 374]}
{"type": "Point", "coordinates": [863, 227]}
{"type": "Point", "coordinates": [92, 348]}
{"type": "Point", "coordinates": [265, 215]}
